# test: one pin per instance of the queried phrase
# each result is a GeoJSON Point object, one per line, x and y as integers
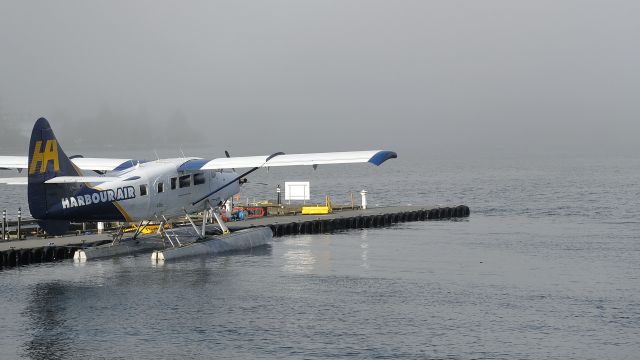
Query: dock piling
{"type": "Point", "coordinates": [19, 221]}
{"type": "Point", "coordinates": [363, 194]}
{"type": "Point", "coordinates": [4, 224]}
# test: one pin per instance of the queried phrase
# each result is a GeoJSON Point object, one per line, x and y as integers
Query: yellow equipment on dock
{"type": "Point", "coordinates": [317, 209]}
{"type": "Point", "coordinates": [149, 229]}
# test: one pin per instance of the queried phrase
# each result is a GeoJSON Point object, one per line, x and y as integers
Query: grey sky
{"type": "Point", "coordinates": [298, 76]}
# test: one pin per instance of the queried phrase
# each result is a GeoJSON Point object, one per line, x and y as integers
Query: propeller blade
{"type": "Point", "coordinates": [228, 156]}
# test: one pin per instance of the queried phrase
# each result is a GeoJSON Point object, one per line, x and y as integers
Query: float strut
{"type": "Point", "coordinates": [201, 236]}
{"type": "Point", "coordinates": [139, 229]}
{"type": "Point", "coordinates": [223, 226]}
{"type": "Point", "coordinates": [204, 222]}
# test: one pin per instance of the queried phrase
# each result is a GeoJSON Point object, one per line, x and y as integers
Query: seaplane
{"type": "Point", "coordinates": [63, 189]}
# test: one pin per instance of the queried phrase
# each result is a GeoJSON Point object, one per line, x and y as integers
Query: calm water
{"type": "Point", "coordinates": [547, 266]}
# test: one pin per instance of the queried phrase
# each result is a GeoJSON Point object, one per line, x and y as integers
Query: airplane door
{"type": "Point", "coordinates": [159, 197]}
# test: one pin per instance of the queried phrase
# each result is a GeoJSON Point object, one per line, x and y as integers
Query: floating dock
{"type": "Point", "coordinates": [39, 250]}
{"type": "Point", "coordinates": [351, 219]}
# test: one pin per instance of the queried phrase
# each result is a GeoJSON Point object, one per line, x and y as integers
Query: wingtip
{"type": "Point", "coordinates": [382, 156]}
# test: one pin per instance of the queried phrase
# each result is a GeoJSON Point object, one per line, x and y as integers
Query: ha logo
{"type": "Point", "coordinates": [50, 153]}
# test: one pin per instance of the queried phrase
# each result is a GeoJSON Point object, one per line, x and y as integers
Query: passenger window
{"type": "Point", "coordinates": [173, 183]}
{"type": "Point", "coordinates": [198, 179]}
{"type": "Point", "coordinates": [143, 190]}
{"type": "Point", "coordinates": [160, 187]}
{"type": "Point", "coordinates": [184, 181]}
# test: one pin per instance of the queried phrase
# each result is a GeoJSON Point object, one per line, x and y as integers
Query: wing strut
{"type": "Point", "coordinates": [237, 178]}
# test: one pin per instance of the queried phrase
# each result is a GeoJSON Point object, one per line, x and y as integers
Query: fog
{"type": "Point", "coordinates": [255, 77]}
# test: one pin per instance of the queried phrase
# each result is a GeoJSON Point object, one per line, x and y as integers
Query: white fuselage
{"type": "Point", "coordinates": [161, 190]}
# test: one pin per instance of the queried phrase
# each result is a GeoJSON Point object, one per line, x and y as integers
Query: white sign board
{"type": "Point", "coordinates": [297, 190]}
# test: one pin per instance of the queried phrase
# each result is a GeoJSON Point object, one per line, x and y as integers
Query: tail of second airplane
{"type": "Point", "coordinates": [46, 161]}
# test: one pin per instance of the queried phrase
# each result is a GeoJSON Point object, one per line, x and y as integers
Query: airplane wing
{"type": "Point", "coordinates": [375, 157]}
{"type": "Point", "coordinates": [104, 164]}
{"type": "Point", "coordinates": [81, 179]}
{"type": "Point", "coordinates": [61, 180]}
{"type": "Point", "coordinates": [99, 164]}
{"type": "Point", "coordinates": [13, 162]}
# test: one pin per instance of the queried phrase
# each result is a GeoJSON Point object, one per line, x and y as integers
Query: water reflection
{"type": "Point", "coordinates": [198, 268]}
{"type": "Point", "coordinates": [299, 258]}
{"type": "Point", "coordinates": [364, 245]}
{"type": "Point", "coordinates": [308, 253]}
{"type": "Point", "coordinates": [322, 252]}
{"type": "Point", "coordinates": [83, 307]}
{"type": "Point", "coordinates": [47, 323]}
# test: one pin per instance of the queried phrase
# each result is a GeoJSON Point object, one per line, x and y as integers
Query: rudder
{"type": "Point", "coordinates": [46, 161]}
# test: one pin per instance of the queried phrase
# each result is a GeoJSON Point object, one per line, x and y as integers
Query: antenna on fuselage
{"type": "Point", "coordinates": [155, 152]}
{"type": "Point", "coordinates": [182, 152]}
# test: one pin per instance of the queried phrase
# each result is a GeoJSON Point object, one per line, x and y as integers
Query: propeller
{"type": "Point", "coordinates": [228, 156]}
{"type": "Point", "coordinates": [237, 178]}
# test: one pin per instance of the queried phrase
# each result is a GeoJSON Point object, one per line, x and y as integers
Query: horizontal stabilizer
{"type": "Point", "coordinates": [14, 181]}
{"type": "Point", "coordinates": [99, 164]}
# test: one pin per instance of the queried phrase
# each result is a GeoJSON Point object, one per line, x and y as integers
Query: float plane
{"type": "Point", "coordinates": [130, 190]}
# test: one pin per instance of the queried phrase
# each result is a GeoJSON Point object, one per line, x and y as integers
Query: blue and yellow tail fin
{"type": "Point", "coordinates": [47, 160]}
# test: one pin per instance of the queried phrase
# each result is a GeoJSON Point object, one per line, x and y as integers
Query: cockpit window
{"type": "Point", "coordinates": [198, 179]}
{"type": "Point", "coordinates": [184, 181]}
